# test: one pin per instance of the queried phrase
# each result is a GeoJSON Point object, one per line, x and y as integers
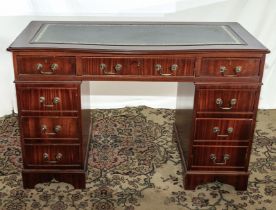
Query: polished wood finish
{"type": "Point", "coordinates": [138, 66]}
{"type": "Point", "coordinates": [222, 129]}
{"type": "Point", "coordinates": [214, 138]}
{"type": "Point", "coordinates": [92, 66]}
{"type": "Point", "coordinates": [193, 178]}
{"type": "Point", "coordinates": [202, 157]}
{"type": "Point", "coordinates": [29, 97]}
{"type": "Point", "coordinates": [184, 66]}
{"type": "Point", "coordinates": [50, 127]}
{"type": "Point", "coordinates": [230, 67]}
{"type": "Point", "coordinates": [42, 65]}
{"type": "Point", "coordinates": [69, 156]}
{"type": "Point", "coordinates": [244, 100]}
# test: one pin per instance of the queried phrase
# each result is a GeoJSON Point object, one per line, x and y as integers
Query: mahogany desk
{"type": "Point", "coordinates": [52, 59]}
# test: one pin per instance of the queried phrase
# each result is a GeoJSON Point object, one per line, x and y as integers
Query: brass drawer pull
{"type": "Point", "coordinates": [174, 67]}
{"type": "Point", "coordinates": [118, 67]}
{"type": "Point", "coordinates": [56, 130]}
{"type": "Point", "coordinates": [158, 67]}
{"type": "Point", "coordinates": [55, 101]}
{"type": "Point", "coordinates": [58, 156]}
{"type": "Point", "coordinates": [238, 69]}
{"type": "Point", "coordinates": [232, 102]}
{"type": "Point", "coordinates": [226, 157]}
{"type": "Point", "coordinates": [217, 130]}
{"type": "Point", "coordinates": [53, 68]}
{"type": "Point", "coordinates": [223, 69]}
{"type": "Point", "coordinates": [46, 158]}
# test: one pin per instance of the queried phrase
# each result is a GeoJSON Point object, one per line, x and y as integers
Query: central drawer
{"type": "Point", "coordinates": [111, 66]}
{"type": "Point", "coordinates": [52, 155]}
{"type": "Point", "coordinates": [169, 66]}
{"type": "Point", "coordinates": [50, 127]}
{"type": "Point", "coordinates": [139, 66]}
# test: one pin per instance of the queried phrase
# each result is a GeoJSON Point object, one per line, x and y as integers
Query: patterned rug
{"type": "Point", "coordinates": [134, 165]}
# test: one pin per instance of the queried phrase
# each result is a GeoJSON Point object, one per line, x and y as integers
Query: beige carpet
{"type": "Point", "coordinates": [134, 164]}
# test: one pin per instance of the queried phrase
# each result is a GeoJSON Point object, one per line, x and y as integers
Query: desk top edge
{"type": "Point", "coordinates": [23, 41]}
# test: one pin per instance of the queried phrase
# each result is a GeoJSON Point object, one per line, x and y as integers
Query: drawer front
{"type": "Point", "coordinates": [50, 127]}
{"type": "Point", "coordinates": [223, 129]}
{"type": "Point", "coordinates": [230, 67]}
{"type": "Point", "coordinates": [225, 100]}
{"type": "Point", "coordinates": [219, 157]}
{"type": "Point", "coordinates": [48, 99]}
{"type": "Point", "coordinates": [111, 66]}
{"type": "Point", "coordinates": [169, 66]}
{"type": "Point", "coordinates": [52, 155]}
{"type": "Point", "coordinates": [44, 65]}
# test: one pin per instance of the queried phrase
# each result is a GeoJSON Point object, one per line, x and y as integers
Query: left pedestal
{"type": "Point", "coordinates": [54, 132]}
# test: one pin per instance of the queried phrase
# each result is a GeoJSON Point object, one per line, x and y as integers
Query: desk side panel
{"type": "Point", "coordinates": [184, 119]}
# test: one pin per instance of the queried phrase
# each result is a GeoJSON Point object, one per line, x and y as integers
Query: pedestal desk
{"type": "Point", "coordinates": [52, 59]}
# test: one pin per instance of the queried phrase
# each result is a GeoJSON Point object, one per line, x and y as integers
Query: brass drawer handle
{"type": "Point", "coordinates": [232, 102]}
{"type": "Point", "coordinates": [58, 156]}
{"type": "Point", "coordinates": [217, 130]}
{"type": "Point", "coordinates": [53, 68]}
{"type": "Point", "coordinates": [238, 69]}
{"type": "Point", "coordinates": [226, 157]}
{"type": "Point", "coordinates": [56, 130]}
{"type": "Point", "coordinates": [46, 158]}
{"type": "Point", "coordinates": [118, 67]}
{"type": "Point", "coordinates": [174, 67]}
{"type": "Point", "coordinates": [55, 101]}
{"type": "Point", "coordinates": [158, 67]}
{"type": "Point", "coordinates": [223, 69]}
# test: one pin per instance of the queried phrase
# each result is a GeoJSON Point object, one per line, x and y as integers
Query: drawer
{"type": "Point", "coordinates": [223, 129]}
{"type": "Point", "coordinates": [52, 155]}
{"type": "Point", "coordinates": [36, 98]}
{"type": "Point", "coordinates": [230, 67]}
{"type": "Point", "coordinates": [225, 100]}
{"type": "Point", "coordinates": [46, 65]}
{"type": "Point", "coordinates": [166, 66]}
{"type": "Point", "coordinates": [213, 157]}
{"type": "Point", "coordinates": [50, 127]}
{"type": "Point", "coordinates": [111, 66]}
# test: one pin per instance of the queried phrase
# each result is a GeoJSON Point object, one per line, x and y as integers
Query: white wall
{"type": "Point", "coordinates": [258, 17]}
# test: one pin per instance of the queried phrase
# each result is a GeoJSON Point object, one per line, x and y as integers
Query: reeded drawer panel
{"type": "Point", "coordinates": [52, 155]}
{"type": "Point", "coordinates": [230, 67]}
{"type": "Point", "coordinates": [46, 65]}
{"type": "Point", "coordinates": [210, 157]}
{"type": "Point", "coordinates": [225, 100]}
{"type": "Point", "coordinates": [48, 98]}
{"type": "Point", "coordinates": [169, 66]}
{"type": "Point", "coordinates": [111, 66]}
{"type": "Point", "coordinates": [223, 129]}
{"type": "Point", "coordinates": [50, 127]}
